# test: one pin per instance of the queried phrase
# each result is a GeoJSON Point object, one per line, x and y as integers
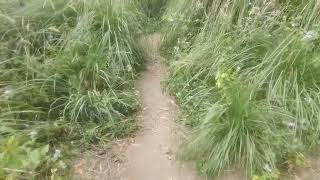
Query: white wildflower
{"type": "Point", "coordinates": [62, 165]}
{"type": "Point", "coordinates": [275, 13]}
{"type": "Point", "coordinates": [33, 133]}
{"type": "Point", "coordinates": [199, 5]}
{"type": "Point", "coordinates": [267, 168]}
{"type": "Point", "coordinates": [238, 68]}
{"type": "Point", "coordinates": [308, 99]}
{"type": "Point", "coordinates": [254, 11]}
{"type": "Point", "coordinates": [7, 92]}
{"type": "Point", "coordinates": [56, 155]}
{"type": "Point", "coordinates": [291, 125]}
{"type": "Point", "coordinates": [310, 35]}
{"type": "Point", "coordinates": [294, 24]}
{"type": "Point", "coordinates": [129, 68]}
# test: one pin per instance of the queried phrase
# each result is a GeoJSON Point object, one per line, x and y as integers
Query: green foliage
{"type": "Point", "coordinates": [182, 22]}
{"type": "Point", "coordinates": [152, 8]}
{"type": "Point", "coordinates": [17, 158]}
{"type": "Point", "coordinates": [66, 73]}
{"type": "Point", "coordinates": [247, 79]}
{"type": "Point", "coordinates": [235, 130]}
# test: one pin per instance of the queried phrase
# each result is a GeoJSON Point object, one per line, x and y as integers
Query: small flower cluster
{"type": "Point", "coordinates": [222, 78]}
{"type": "Point", "coordinates": [310, 36]}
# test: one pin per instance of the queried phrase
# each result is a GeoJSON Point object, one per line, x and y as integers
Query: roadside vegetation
{"type": "Point", "coordinates": [152, 10]}
{"type": "Point", "coordinates": [246, 74]}
{"type": "Point", "coordinates": [66, 80]}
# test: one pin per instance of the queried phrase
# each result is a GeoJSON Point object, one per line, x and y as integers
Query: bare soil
{"type": "Point", "coordinates": [151, 155]}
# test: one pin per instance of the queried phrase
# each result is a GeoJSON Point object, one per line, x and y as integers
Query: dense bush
{"type": "Point", "coordinates": [66, 74]}
{"type": "Point", "coordinates": [247, 76]}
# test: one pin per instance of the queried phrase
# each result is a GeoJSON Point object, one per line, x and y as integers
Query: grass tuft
{"type": "Point", "coordinates": [245, 74]}
{"type": "Point", "coordinates": [67, 69]}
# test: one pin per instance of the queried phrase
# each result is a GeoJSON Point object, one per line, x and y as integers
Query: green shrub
{"type": "Point", "coordinates": [239, 130]}
{"type": "Point", "coordinates": [269, 49]}
{"type": "Point", "coordinates": [66, 73]}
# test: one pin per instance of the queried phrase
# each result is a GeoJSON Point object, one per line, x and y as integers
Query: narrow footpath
{"type": "Point", "coordinates": [151, 156]}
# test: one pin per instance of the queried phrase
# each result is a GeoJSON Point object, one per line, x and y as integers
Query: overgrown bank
{"type": "Point", "coordinates": [66, 80]}
{"type": "Point", "coordinates": [246, 74]}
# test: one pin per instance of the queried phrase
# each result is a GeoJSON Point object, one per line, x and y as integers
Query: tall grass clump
{"type": "Point", "coordinates": [151, 12]}
{"type": "Point", "coordinates": [152, 8]}
{"type": "Point", "coordinates": [248, 84]}
{"type": "Point", "coordinates": [66, 75]}
{"type": "Point", "coordinates": [182, 22]}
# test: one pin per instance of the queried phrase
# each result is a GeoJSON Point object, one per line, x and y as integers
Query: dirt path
{"type": "Point", "coordinates": [151, 156]}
